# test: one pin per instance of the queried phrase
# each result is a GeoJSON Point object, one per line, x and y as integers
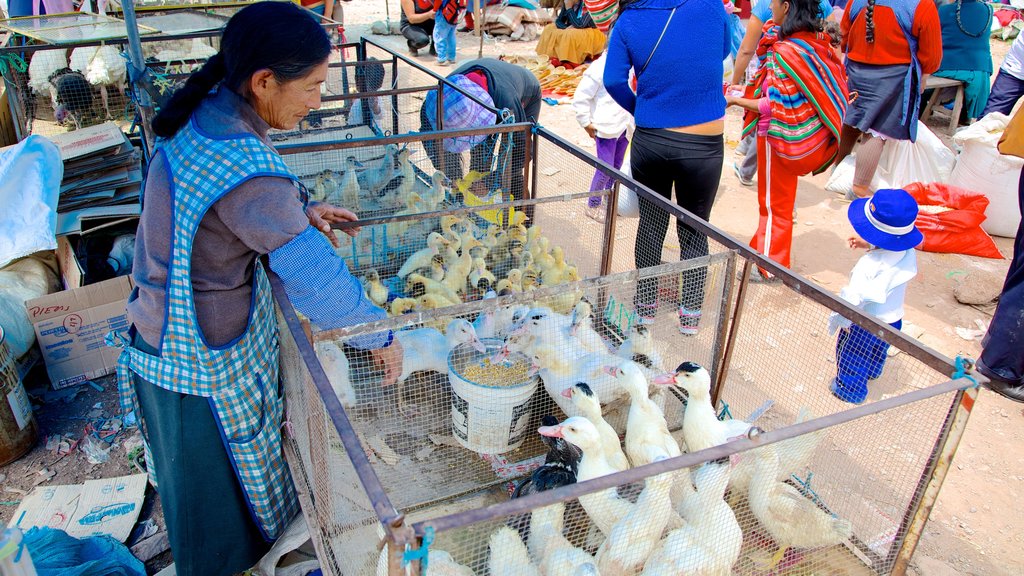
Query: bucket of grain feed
{"type": "Point", "coordinates": [490, 402]}
{"type": "Point", "coordinates": [17, 424]}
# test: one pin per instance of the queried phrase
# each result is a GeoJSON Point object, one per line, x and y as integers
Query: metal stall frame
{"type": "Point", "coordinates": [963, 383]}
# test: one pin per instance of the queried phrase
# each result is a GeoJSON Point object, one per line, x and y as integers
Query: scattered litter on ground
{"type": "Point", "coordinates": [106, 506]}
{"type": "Point", "coordinates": [971, 334]}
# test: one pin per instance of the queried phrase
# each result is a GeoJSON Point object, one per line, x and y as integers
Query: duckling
{"type": "Point", "coordinates": [587, 402]}
{"type": "Point", "coordinates": [525, 261]}
{"type": "Point", "coordinates": [408, 174]}
{"type": "Point", "coordinates": [375, 291]}
{"type": "Point", "coordinates": [581, 327]}
{"type": "Point", "coordinates": [427, 349]}
{"type": "Point", "coordinates": [396, 230]}
{"type": "Point", "coordinates": [515, 280]}
{"type": "Point", "coordinates": [490, 236]}
{"type": "Point", "coordinates": [504, 287]}
{"type": "Point", "coordinates": [529, 281]}
{"type": "Point", "coordinates": [448, 225]}
{"type": "Point", "coordinates": [511, 258]}
{"type": "Point", "coordinates": [437, 193]}
{"type": "Point", "coordinates": [401, 306]}
{"type": "Point", "coordinates": [422, 258]}
{"type": "Point", "coordinates": [433, 302]}
{"type": "Point", "coordinates": [325, 186]}
{"type": "Point", "coordinates": [377, 178]}
{"type": "Point", "coordinates": [347, 194]}
{"type": "Point", "coordinates": [555, 272]}
{"type": "Point", "coordinates": [480, 272]}
{"type": "Point", "coordinates": [437, 268]}
{"type": "Point", "coordinates": [431, 287]}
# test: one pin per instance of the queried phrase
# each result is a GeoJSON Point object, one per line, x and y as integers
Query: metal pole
{"type": "Point", "coordinates": [137, 72]}
{"type": "Point", "coordinates": [480, 10]}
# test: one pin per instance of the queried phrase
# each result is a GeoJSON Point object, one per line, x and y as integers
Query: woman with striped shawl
{"type": "Point", "coordinates": [796, 105]}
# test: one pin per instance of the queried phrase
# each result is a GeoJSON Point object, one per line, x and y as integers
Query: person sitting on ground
{"type": "Point", "coordinates": [417, 25]}
{"type": "Point", "coordinates": [368, 111]}
{"type": "Point", "coordinates": [966, 52]}
{"type": "Point", "coordinates": [885, 228]}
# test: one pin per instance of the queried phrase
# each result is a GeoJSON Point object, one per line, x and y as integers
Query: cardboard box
{"type": "Point", "coordinates": [70, 327]}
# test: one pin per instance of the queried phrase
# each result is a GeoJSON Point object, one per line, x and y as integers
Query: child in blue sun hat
{"type": "Point", "coordinates": [884, 224]}
{"type": "Point", "coordinates": [461, 112]}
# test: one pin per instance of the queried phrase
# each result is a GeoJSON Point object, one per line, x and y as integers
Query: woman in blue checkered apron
{"type": "Point", "coordinates": [200, 363]}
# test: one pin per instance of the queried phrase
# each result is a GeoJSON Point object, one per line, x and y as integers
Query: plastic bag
{"type": "Point", "coordinates": [981, 167]}
{"type": "Point", "coordinates": [958, 230]}
{"type": "Point", "coordinates": [57, 554]}
{"type": "Point", "coordinates": [628, 205]}
{"type": "Point", "coordinates": [30, 177]}
{"type": "Point", "coordinates": [841, 180]}
{"type": "Point", "coordinates": [926, 160]}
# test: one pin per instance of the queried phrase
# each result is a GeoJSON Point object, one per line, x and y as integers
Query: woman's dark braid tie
{"type": "Point", "coordinates": [960, 25]}
{"type": "Point", "coordinates": [869, 21]}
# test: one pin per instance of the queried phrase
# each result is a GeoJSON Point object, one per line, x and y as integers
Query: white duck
{"type": "Point", "coordinates": [421, 258]}
{"type": "Point", "coordinates": [437, 192]}
{"type": "Point", "coordinates": [791, 519]}
{"type": "Point", "coordinates": [647, 435]}
{"type": "Point", "coordinates": [560, 371]}
{"type": "Point", "coordinates": [336, 366]}
{"type": "Point", "coordinates": [635, 536]}
{"type": "Point", "coordinates": [408, 174]}
{"type": "Point", "coordinates": [508, 555]}
{"type": "Point", "coordinates": [701, 427]}
{"type": "Point", "coordinates": [588, 403]}
{"type": "Point", "coordinates": [439, 563]}
{"type": "Point", "coordinates": [710, 542]}
{"type": "Point", "coordinates": [639, 347]}
{"type": "Point", "coordinates": [605, 508]}
{"type": "Point", "coordinates": [427, 349]}
{"type": "Point", "coordinates": [548, 548]}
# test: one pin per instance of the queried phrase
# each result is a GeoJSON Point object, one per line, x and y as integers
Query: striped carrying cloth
{"type": "Point", "coordinates": [603, 12]}
{"type": "Point", "coordinates": [806, 86]}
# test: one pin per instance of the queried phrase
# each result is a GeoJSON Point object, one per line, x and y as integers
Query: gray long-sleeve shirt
{"type": "Point", "coordinates": [257, 217]}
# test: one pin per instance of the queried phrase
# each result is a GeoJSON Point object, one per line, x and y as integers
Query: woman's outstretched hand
{"type": "Point", "coordinates": [321, 215]}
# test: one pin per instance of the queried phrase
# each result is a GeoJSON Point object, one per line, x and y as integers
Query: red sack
{"type": "Point", "coordinates": [957, 231]}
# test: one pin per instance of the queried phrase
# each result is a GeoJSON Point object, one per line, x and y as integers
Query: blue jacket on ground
{"type": "Point", "coordinates": [682, 85]}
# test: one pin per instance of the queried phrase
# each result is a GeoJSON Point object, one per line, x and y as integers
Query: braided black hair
{"type": "Point", "coordinates": [869, 22]}
{"type": "Point", "coordinates": [960, 25]}
{"type": "Point", "coordinates": [275, 36]}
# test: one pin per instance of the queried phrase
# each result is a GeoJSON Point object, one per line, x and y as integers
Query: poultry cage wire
{"type": "Point", "coordinates": [188, 36]}
{"type": "Point", "coordinates": [403, 464]}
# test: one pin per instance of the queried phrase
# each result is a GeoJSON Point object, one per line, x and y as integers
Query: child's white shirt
{"type": "Point", "coordinates": [594, 105]}
{"type": "Point", "coordinates": [355, 114]}
{"type": "Point", "coordinates": [878, 283]}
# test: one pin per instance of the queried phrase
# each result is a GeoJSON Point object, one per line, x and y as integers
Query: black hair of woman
{"type": "Point", "coordinates": [370, 77]}
{"type": "Point", "coordinates": [803, 16]}
{"type": "Point", "coordinates": [275, 36]}
{"type": "Point", "coordinates": [869, 22]}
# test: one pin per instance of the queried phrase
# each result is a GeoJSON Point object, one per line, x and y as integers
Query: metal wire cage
{"type": "Point", "coordinates": [423, 470]}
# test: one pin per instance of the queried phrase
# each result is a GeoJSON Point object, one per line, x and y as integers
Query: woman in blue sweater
{"type": "Point", "coordinates": [676, 48]}
{"type": "Point", "coordinates": [966, 52]}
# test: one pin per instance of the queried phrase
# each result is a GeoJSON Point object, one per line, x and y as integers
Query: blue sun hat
{"type": "Point", "coordinates": [886, 220]}
{"type": "Point", "coordinates": [460, 112]}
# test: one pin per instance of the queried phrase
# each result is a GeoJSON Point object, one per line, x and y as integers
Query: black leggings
{"type": "Point", "coordinates": [660, 158]}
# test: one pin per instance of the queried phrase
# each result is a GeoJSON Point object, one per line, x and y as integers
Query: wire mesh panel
{"type": "Point", "coordinates": [545, 384]}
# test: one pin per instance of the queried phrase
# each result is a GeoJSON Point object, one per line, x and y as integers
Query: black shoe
{"type": "Point", "coordinates": [433, 52]}
{"type": "Point", "coordinates": [1000, 386]}
{"type": "Point", "coordinates": [465, 28]}
{"type": "Point", "coordinates": [1007, 390]}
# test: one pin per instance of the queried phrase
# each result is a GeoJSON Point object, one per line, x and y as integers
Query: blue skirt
{"type": "Point", "coordinates": [880, 105]}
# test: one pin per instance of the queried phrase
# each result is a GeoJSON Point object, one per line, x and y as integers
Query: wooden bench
{"type": "Point", "coordinates": [937, 84]}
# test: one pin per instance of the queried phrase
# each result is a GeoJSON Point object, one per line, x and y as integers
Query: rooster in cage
{"type": "Point", "coordinates": [73, 96]}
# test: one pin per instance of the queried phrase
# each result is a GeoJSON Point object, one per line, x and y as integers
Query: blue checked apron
{"type": "Point", "coordinates": [240, 380]}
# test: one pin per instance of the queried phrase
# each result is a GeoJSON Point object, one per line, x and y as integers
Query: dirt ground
{"type": "Point", "coordinates": [974, 528]}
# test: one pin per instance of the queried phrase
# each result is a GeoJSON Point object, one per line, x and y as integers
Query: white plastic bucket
{"type": "Point", "coordinates": [488, 419]}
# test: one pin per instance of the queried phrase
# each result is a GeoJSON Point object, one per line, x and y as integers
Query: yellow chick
{"type": "Point", "coordinates": [431, 286]}
{"type": "Point", "coordinates": [515, 279]}
{"type": "Point", "coordinates": [401, 306]}
{"type": "Point", "coordinates": [375, 291]}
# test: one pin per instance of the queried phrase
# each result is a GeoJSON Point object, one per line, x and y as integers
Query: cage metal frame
{"type": "Point", "coordinates": [401, 535]}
